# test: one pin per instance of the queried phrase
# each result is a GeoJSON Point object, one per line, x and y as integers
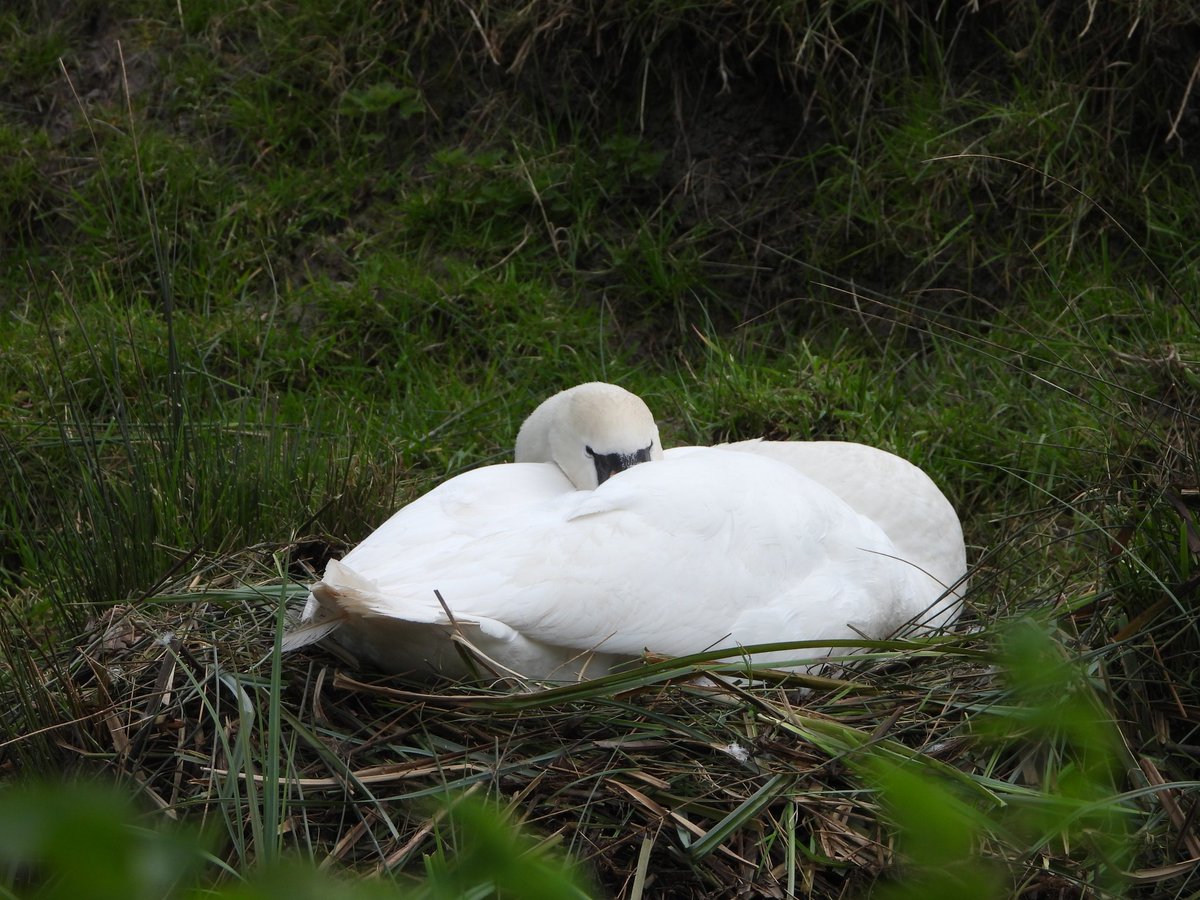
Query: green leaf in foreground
{"type": "Point", "coordinates": [86, 840]}
{"type": "Point", "coordinates": [939, 834]}
{"type": "Point", "coordinates": [81, 840]}
{"type": "Point", "coordinates": [1049, 717]}
{"type": "Point", "coordinates": [494, 858]}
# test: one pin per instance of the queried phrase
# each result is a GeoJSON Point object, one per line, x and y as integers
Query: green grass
{"type": "Point", "coordinates": [275, 269]}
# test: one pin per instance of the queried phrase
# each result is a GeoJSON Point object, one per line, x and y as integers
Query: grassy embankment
{"type": "Point", "coordinates": [271, 270]}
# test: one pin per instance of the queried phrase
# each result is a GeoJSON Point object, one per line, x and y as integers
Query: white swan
{"type": "Point", "coordinates": [706, 548]}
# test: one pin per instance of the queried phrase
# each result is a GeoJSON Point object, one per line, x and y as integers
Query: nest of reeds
{"type": "Point", "coordinates": [676, 779]}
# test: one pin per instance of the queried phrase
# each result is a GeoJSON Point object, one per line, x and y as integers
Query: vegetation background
{"type": "Point", "coordinates": [273, 267]}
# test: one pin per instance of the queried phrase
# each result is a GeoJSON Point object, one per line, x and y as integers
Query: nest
{"type": "Point", "coordinates": [677, 778]}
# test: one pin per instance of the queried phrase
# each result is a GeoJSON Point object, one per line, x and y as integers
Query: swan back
{"type": "Point", "coordinates": [591, 431]}
{"type": "Point", "coordinates": [712, 549]}
{"type": "Point", "coordinates": [890, 491]}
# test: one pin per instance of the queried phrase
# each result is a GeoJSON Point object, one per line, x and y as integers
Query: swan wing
{"type": "Point", "coordinates": [890, 491]}
{"type": "Point", "coordinates": [441, 523]}
{"type": "Point", "coordinates": [707, 549]}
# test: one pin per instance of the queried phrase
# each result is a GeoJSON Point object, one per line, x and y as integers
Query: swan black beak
{"type": "Point", "coordinates": [609, 464]}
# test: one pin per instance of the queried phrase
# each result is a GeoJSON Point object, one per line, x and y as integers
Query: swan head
{"type": "Point", "coordinates": [591, 431]}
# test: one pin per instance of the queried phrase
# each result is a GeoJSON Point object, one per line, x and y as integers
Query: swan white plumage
{"type": "Point", "coordinates": [704, 548]}
{"type": "Point", "coordinates": [893, 493]}
{"type": "Point", "coordinates": [889, 490]}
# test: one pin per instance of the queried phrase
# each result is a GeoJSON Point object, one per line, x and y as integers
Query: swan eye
{"type": "Point", "coordinates": [589, 451]}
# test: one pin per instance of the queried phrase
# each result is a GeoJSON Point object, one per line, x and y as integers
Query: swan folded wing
{"type": "Point", "coordinates": [665, 556]}
{"type": "Point", "coordinates": [828, 605]}
{"type": "Point", "coordinates": [433, 536]}
{"type": "Point", "coordinates": [470, 506]}
{"type": "Point", "coordinates": [891, 491]}
{"type": "Point", "coordinates": [707, 550]}
{"type": "Point", "coordinates": [611, 568]}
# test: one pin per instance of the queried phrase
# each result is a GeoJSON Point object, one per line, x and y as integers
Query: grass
{"type": "Point", "coordinates": [277, 269]}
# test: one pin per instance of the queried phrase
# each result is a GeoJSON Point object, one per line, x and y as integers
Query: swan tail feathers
{"type": "Point", "coordinates": [310, 632]}
{"type": "Point", "coordinates": [343, 593]}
